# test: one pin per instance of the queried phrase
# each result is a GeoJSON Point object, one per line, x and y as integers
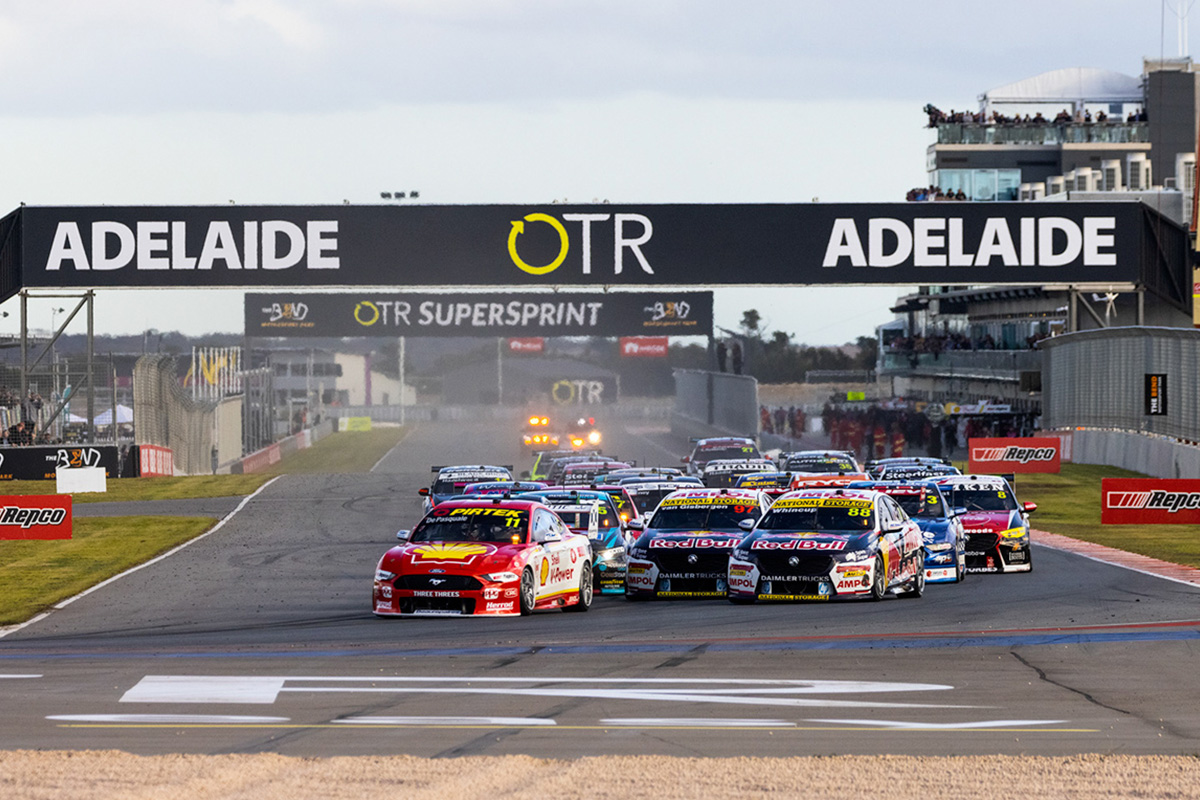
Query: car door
{"type": "Point", "coordinates": [553, 572]}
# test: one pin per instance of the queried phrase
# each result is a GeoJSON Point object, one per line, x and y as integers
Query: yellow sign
{"type": "Point", "coordinates": [518, 228]}
{"type": "Point", "coordinates": [354, 424]}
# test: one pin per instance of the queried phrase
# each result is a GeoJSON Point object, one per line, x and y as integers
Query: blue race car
{"type": "Point", "coordinates": [941, 529]}
{"type": "Point", "coordinates": [594, 514]}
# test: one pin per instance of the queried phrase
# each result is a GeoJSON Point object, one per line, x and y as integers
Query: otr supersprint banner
{"type": "Point", "coordinates": [585, 246]}
{"type": "Point", "coordinates": [1149, 501]}
{"type": "Point", "coordinates": [513, 314]}
{"type": "Point", "coordinates": [1013, 455]}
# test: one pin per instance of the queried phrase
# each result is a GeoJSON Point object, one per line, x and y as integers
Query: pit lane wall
{"type": "Point", "coordinates": [272, 454]}
{"type": "Point", "coordinates": [714, 404]}
{"type": "Point", "coordinates": [1156, 456]}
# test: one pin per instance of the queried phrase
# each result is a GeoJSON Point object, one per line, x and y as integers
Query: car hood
{"type": "Point", "coordinates": [692, 540]}
{"type": "Point", "coordinates": [990, 521]}
{"type": "Point", "coordinates": [453, 557]}
{"type": "Point", "coordinates": [812, 541]}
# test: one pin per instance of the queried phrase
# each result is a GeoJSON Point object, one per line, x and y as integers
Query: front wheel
{"type": "Point", "coordinates": [528, 592]}
{"type": "Point", "coordinates": [916, 586]}
{"type": "Point", "coordinates": [585, 591]}
{"type": "Point", "coordinates": [879, 583]}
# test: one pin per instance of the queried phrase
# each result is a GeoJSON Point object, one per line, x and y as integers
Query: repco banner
{"type": "Point", "coordinates": [35, 516]}
{"type": "Point", "coordinates": [1149, 501]}
{"type": "Point", "coordinates": [1027, 454]}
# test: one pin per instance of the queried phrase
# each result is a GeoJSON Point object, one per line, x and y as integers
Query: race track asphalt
{"type": "Point", "coordinates": [259, 638]}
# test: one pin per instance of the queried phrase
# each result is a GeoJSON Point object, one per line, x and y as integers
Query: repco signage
{"type": "Point", "coordinates": [1027, 454]}
{"type": "Point", "coordinates": [1149, 501]}
{"type": "Point", "coordinates": [35, 517]}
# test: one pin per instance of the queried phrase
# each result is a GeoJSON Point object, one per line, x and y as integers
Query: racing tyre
{"type": "Point", "coordinates": [879, 582]}
{"type": "Point", "coordinates": [916, 587]}
{"type": "Point", "coordinates": [528, 592]}
{"type": "Point", "coordinates": [585, 590]}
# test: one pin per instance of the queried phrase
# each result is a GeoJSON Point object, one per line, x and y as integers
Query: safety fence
{"type": "Point", "coordinates": [201, 434]}
{"type": "Point", "coordinates": [466, 413]}
{"type": "Point", "coordinates": [714, 404]}
{"type": "Point", "coordinates": [1139, 379]}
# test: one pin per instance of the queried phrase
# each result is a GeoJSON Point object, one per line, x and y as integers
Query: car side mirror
{"type": "Point", "coordinates": [893, 529]}
{"type": "Point", "coordinates": [746, 524]}
{"type": "Point", "coordinates": [403, 535]}
{"type": "Point", "coordinates": [423, 491]}
{"type": "Point", "coordinates": [547, 536]}
{"type": "Point", "coordinates": [960, 511]}
{"type": "Point", "coordinates": [685, 460]}
{"type": "Point", "coordinates": [636, 525]}
{"type": "Point", "coordinates": [1029, 507]}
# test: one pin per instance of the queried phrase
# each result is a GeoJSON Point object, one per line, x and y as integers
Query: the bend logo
{"type": "Point", "coordinates": [77, 457]}
{"type": "Point", "coordinates": [1157, 500]}
{"type": "Point", "coordinates": [1020, 455]}
{"type": "Point", "coordinates": [554, 241]}
{"type": "Point", "coordinates": [286, 312]}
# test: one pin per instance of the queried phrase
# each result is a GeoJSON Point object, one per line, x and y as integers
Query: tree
{"type": "Point", "coordinates": [750, 324]}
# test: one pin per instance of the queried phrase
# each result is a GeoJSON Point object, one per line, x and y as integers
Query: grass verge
{"type": "Point", "coordinates": [34, 575]}
{"type": "Point", "coordinates": [1069, 504]}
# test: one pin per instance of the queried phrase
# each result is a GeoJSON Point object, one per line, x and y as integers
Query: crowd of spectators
{"type": "Point", "coordinates": [878, 431]}
{"type": "Point", "coordinates": [924, 193]}
{"type": "Point", "coordinates": [939, 343]}
{"type": "Point", "coordinates": [938, 117]}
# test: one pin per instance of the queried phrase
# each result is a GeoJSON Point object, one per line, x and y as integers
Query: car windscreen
{"type": "Point", "coordinates": [578, 520]}
{"type": "Point", "coordinates": [817, 466]}
{"type": "Point", "coordinates": [919, 504]}
{"type": "Point", "coordinates": [819, 514]}
{"type": "Point", "coordinates": [647, 500]}
{"type": "Point", "coordinates": [744, 451]}
{"type": "Point", "coordinates": [456, 485]}
{"type": "Point", "coordinates": [983, 499]}
{"type": "Point", "coordinates": [722, 513]}
{"type": "Point", "coordinates": [495, 525]}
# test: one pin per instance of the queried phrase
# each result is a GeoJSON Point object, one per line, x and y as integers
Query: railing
{"type": "Point", "coordinates": [1006, 365]}
{"type": "Point", "coordinates": [839, 376]}
{"type": "Point", "coordinates": [1043, 133]}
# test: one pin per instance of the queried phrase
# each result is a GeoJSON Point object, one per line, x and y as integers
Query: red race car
{"type": "Point", "coordinates": [485, 557]}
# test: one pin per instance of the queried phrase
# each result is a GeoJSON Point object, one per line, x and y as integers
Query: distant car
{"type": "Point", "coordinates": [772, 484]}
{"type": "Point", "coordinates": [450, 481]}
{"type": "Point", "coordinates": [684, 548]}
{"type": "Point", "coordinates": [941, 529]}
{"type": "Point", "coordinates": [593, 514]}
{"type": "Point", "coordinates": [538, 433]}
{"type": "Point", "coordinates": [997, 526]}
{"type": "Point", "coordinates": [558, 466]}
{"type": "Point", "coordinates": [723, 447]}
{"type": "Point", "coordinates": [915, 472]}
{"type": "Point", "coordinates": [582, 473]}
{"type": "Point", "coordinates": [484, 557]}
{"type": "Point", "coordinates": [622, 499]}
{"type": "Point", "coordinates": [488, 488]}
{"type": "Point", "coordinates": [647, 493]}
{"type": "Point", "coordinates": [725, 472]}
{"type": "Point", "coordinates": [582, 433]}
{"type": "Point", "coordinates": [653, 473]}
{"type": "Point", "coordinates": [822, 544]}
{"type": "Point", "coordinates": [818, 461]}
{"type": "Point", "coordinates": [542, 459]}
{"type": "Point", "coordinates": [876, 465]}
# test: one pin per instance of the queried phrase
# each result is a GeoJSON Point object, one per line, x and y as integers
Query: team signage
{"type": "Point", "coordinates": [1013, 455]}
{"type": "Point", "coordinates": [583, 246]}
{"type": "Point", "coordinates": [582, 391]}
{"type": "Point", "coordinates": [1156, 395]}
{"type": "Point", "coordinates": [644, 346]}
{"type": "Point", "coordinates": [513, 314]}
{"type": "Point", "coordinates": [528, 344]}
{"type": "Point", "coordinates": [35, 517]}
{"type": "Point", "coordinates": [41, 463]}
{"type": "Point", "coordinates": [1149, 501]}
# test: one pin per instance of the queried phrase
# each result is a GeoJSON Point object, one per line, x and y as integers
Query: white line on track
{"type": "Point", "coordinates": [655, 722]}
{"type": "Point", "coordinates": [524, 721]}
{"type": "Point", "coordinates": [157, 719]}
{"type": "Point", "coordinates": [941, 726]}
{"type": "Point", "coordinates": [6, 631]}
{"type": "Point", "coordinates": [19, 676]}
{"type": "Point", "coordinates": [391, 450]}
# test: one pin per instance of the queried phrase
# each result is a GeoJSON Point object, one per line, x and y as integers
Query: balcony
{"type": "Point", "coordinates": [1044, 133]}
{"type": "Point", "coordinates": [992, 365]}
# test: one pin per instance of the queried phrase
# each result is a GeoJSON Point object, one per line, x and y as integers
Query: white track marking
{"type": "Point", "coordinates": [160, 719]}
{"type": "Point", "coordinates": [513, 721]}
{"type": "Point", "coordinates": [19, 676]}
{"type": "Point", "coordinates": [391, 450]}
{"type": "Point", "coordinates": [6, 631]}
{"type": "Point", "coordinates": [680, 722]}
{"type": "Point", "coordinates": [941, 726]}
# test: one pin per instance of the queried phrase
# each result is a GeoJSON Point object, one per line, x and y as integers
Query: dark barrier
{"type": "Point", "coordinates": [39, 463]}
{"type": "Point", "coordinates": [398, 313]}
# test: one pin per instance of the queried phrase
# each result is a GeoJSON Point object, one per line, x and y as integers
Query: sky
{"type": "Point", "coordinates": [282, 102]}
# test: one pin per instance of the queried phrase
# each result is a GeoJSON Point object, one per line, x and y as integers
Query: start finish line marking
{"type": "Point", "coordinates": [265, 690]}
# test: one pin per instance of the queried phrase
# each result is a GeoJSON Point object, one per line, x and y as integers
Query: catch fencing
{"type": "Point", "coordinates": [201, 434]}
{"type": "Point", "coordinates": [1105, 378]}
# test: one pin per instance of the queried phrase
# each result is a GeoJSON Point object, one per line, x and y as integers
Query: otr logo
{"type": "Point", "coordinates": [621, 240]}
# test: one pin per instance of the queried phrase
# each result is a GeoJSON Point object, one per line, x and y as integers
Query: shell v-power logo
{"type": "Point", "coordinates": [539, 244]}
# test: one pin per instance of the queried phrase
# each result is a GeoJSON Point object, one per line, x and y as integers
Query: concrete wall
{"type": "Point", "coordinates": [1150, 455]}
{"type": "Point", "coordinates": [715, 404]}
